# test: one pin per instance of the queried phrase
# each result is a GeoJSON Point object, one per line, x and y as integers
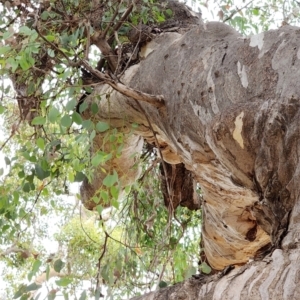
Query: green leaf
{"type": "Point", "coordinates": [76, 117]}
{"type": "Point", "coordinates": [58, 265]}
{"type": "Point", "coordinates": [104, 196]}
{"type": "Point", "coordinates": [79, 177]}
{"type": "Point", "coordinates": [51, 295]}
{"type": "Point", "coordinates": [26, 187]}
{"type": "Point", "coordinates": [191, 270]}
{"type": "Point", "coordinates": [24, 64]}
{"type": "Point", "coordinates": [83, 295]}
{"type": "Point", "coordinates": [98, 293]}
{"type": "Point", "coordinates": [66, 121]}
{"type": "Point", "coordinates": [25, 30]}
{"type": "Point", "coordinates": [63, 281]}
{"type": "Point", "coordinates": [7, 160]}
{"type": "Point", "coordinates": [40, 143]}
{"type": "Point", "coordinates": [66, 296]}
{"type": "Point", "coordinates": [33, 287]}
{"type": "Point", "coordinates": [71, 105]}
{"type": "Point", "coordinates": [71, 176]}
{"type": "Point", "coordinates": [4, 49]}
{"type": "Point", "coordinates": [114, 192]}
{"type": "Point", "coordinates": [87, 124]}
{"type": "Point", "coordinates": [110, 180]}
{"type": "Point", "coordinates": [45, 14]}
{"type": "Point", "coordinates": [94, 108]}
{"type": "Point", "coordinates": [162, 284]}
{"type": "Point", "coordinates": [205, 268]}
{"type": "Point", "coordinates": [50, 38]}
{"type": "Point", "coordinates": [2, 109]}
{"type": "Point", "coordinates": [7, 35]}
{"type": "Point", "coordinates": [12, 63]}
{"type": "Point", "coordinates": [53, 114]}
{"type": "Point", "coordinates": [36, 265]}
{"type": "Point", "coordinates": [38, 120]}
{"type": "Point", "coordinates": [99, 209]}
{"type": "Point", "coordinates": [51, 52]}
{"type": "Point", "coordinates": [169, 12]}
{"type": "Point", "coordinates": [255, 11]}
{"type": "Point", "coordinates": [40, 173]}
{"type": "Point", "coordinates": [20, 291]}
{"type": "Point", "coordinates": [102, 126]}
{"type": "Point", "coordinates": [83, 107]}
{"type": "Point", "coordinates": [100, 157]}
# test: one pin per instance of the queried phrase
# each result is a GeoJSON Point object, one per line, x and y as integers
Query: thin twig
{"type": "Point", "coordinates": [104, 33]}
{"type": "Point", "coordinates": [119, 52]}
{"type": "Point", "coordinates": [100, 259]}
{"type": "Point", "coordinates": [119, 24]}
{"type": "Point", "coordinates": [236, 11]}
{"type": "Point", "coordinates": [71, 63]}
{"type": "Point", "coordinates": [13, 131]}
{"type": "Point", "coordinates": [134, 52]}
{"type": "Point", "coordinates": [88, 40]}
{"type": "Point", "coordinates": [81, 225]}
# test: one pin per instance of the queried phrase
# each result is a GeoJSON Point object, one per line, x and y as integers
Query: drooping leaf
{"type": "Point", "coordinates": [110, 179]}
{"type": "Point", "coordinates": [205, 268]}
{"type": "Point", "coordinates": [71, 105]}
{"type": "Point", "coordinates": [58, 265]}
{"type": "Point", "coordinates": [53, 114]}
{"type": "Point", "coordinates": [83, 295]}
{"type": "Point", "coordinates": [40, 143]}
{"type": "Point", "coordinates": [40, 173]}
{"type": "Point", "coordinates": [33, 287]}
{"type": "Point", "coordinates": [63, 281]}
{"type": "Point", "coordinates": [38, 120]}
{"type": "Point", "coordinates": [66, 121]}
{"type": "Point", "coordinates": [76, 117]}
{"type": "Point", "coordinates": [102, 126]}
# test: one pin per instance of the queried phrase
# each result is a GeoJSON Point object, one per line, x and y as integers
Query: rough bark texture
{"type": "Point", "coordinates": [231, 116]}
{"type": "Point", "coordinates": [276, 277]}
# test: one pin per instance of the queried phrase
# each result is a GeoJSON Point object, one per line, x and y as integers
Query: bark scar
{"type": "Point", "coordinates": [237, 133]}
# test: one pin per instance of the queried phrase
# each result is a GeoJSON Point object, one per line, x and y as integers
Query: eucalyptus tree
{"type": "Point", "coordinates": [166, 121]}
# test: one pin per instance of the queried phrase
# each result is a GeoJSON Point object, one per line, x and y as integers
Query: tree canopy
{"type": "Point", "coordinates": [124, 233]}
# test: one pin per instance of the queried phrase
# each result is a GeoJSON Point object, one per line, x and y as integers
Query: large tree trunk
{"type": "Point", "coordinates": [231, 116]}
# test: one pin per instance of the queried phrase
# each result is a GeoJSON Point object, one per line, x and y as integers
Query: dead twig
{"type": "Point", "coordinates": [236, 11]}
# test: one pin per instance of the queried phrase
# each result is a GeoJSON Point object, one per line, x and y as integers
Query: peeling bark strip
{"type": "Point", "coordinates": [232, 111]}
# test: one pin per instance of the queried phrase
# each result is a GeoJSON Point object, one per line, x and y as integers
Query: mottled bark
{"type": "Point", "coordinates": [231, 116]}
{"type": "Point", "coordinates": [275, 277]}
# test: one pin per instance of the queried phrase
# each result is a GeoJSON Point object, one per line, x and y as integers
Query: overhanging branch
{"type": "Point", "coordinates": [155, 100]}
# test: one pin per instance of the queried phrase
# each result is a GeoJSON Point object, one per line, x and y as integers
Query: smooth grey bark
{"type": "Point", "coordinates": [231, 115]}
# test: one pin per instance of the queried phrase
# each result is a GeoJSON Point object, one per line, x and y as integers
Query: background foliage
{"type": "Point", "coordinates": [51, 245]}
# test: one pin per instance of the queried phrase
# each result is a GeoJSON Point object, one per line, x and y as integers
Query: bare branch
{"type": "Point", "coordinates": [237, 10]}
{"type": "Point", "coordinates": [104, 33]}
{"type": "Point", "coordinates": [119, 24]}
{"type": "Point", "coordinates": [155, 100]}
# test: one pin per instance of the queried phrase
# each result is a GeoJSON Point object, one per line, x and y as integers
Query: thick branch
{"type": "Point", "coordinates": [106, 50]}
{"type": "Point", "coordinates": [155, 100]}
